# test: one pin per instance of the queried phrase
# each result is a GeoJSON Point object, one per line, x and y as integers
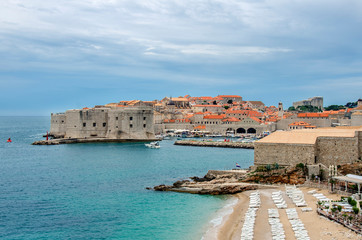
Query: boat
{"type": "Point", "coordinates": [153, 145]}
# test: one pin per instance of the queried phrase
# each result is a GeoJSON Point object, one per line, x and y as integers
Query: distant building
{"type": "Point", "coordinates": [314, 101]}
{"type": "Point", "coordinates": [300, 125]}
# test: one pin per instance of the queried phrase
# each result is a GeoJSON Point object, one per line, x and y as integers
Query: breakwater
{"type": "Point", "coordinates": [86, 140]}
{"type": "Point", "coordinates": [214, 144]}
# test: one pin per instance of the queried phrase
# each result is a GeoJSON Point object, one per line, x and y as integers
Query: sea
{"type": "Point", "coordinates": [98, 190]}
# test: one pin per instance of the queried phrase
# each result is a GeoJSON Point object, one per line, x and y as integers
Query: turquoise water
{"type": "Point", "coordinates": [97, 191]}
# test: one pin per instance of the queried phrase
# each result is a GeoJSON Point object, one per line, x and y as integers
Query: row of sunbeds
{"type": "Point", "coordinates": [247, 232]}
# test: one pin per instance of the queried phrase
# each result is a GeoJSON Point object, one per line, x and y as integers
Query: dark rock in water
{"type": "Point", "coordinates": [148, 188]}
{"type": "Point", "coordinates": [206, 178]}
{"type": "Point", "coordinates": [179, 183]}
{"type": "Point", "coordinates": [162, 187]}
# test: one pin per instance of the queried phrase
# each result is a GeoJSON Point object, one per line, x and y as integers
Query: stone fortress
{"type": "Point", "coordinates": [102, 122]}
{"type": "Point", "coordinates": [314, 101]}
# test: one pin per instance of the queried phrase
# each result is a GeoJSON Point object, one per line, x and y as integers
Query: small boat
{"type": "Point", "coordinates": [153, 145]}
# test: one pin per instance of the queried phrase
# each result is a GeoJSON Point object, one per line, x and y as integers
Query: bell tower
{"type": "Point", "coordinates": [280, 110]}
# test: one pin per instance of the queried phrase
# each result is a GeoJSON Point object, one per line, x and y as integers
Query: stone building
{"type": "Point", "coordinates": [126, 123]}
{"type": "Point", "coordinates": [314, 101]}
{"type": "Point", "coordinates": [327, 146]}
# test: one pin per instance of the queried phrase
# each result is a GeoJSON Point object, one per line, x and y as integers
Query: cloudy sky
{"type": "Point", "coordinates": [62, 54]}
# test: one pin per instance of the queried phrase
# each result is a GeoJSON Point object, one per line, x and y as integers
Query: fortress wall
{"type": "Point", "coordinates": [57, 124]}
{"type": "Point", "coordinates": [122, 123]}
{"type": "Point", "coordinates": [283, 153]}
{"type": "Point", "coordinates": [87, 123]}
{"type": "Point", "coordinates": [132, 124]}
{"type": "Point", "coordinates": [336, 150]}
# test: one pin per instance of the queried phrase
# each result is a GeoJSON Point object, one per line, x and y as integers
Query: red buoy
{"type": "Point", "coordinates": [9, 140]}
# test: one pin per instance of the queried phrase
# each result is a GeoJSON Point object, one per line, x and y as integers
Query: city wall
{"type": "Point", "coordinates": [336, 150]}
{"type": "Point", "coordinates": [283, 154]}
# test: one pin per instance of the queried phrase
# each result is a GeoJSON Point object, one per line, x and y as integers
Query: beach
{"type": "Point", "coordinates": [318, 227]}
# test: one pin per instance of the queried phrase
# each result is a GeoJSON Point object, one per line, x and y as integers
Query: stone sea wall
{"type": "Point", "coordinates": [215, 144]}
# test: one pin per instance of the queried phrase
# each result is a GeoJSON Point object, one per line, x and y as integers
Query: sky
{"type": "Point", "coordinates": [64, 54]}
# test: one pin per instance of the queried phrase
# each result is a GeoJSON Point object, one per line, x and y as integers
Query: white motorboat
{"type": "Point", "coordinates": [153, 145]}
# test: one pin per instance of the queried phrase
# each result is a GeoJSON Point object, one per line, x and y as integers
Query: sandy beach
{"type": "Point", "coordinates": [318, 227]}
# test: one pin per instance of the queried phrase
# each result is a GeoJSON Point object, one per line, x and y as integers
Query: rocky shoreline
{"type": "Point", "coordinates": [213, 183]}
{"type": "Point", "coordinates": [214, 144]}
{"type": "Point", "coordinates": [218, 182]}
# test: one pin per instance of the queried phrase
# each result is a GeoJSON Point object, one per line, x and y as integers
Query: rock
{"type": "Point", "coordinates": [178, 184]}
{"type": "Point", "coordinates": [162, 188]}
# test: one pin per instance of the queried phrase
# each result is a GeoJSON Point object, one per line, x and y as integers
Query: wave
{"type": "Point", "coordinates": [221, 216]}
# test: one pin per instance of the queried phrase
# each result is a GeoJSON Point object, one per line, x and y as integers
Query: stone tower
{"type": "Point", "coordinates": [280, 110]}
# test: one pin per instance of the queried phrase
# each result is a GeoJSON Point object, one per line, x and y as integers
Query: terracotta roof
{"type": "Point", "coordinates": [256, 119]}
{"type": "Point", "coordinates": [214, 116]}
{"type": "Point", "coordinates": [199, 113]}
{"type": "Point", "coordinates": [179, 99]}
{"type": "Point", "coordinates": [313, 115]}
{"type": "Point", "coordinates": [300, 123]}
{"type": "Point", "coordinates": [200, 127]}
{"type": "Point", "coordinates": [231, 119]}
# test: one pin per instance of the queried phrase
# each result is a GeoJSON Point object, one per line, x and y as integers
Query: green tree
{"type": "Point", "coordinates": [355, 210]}
{"type": "Point", "coordinates": [334, 107]}
{"type": "Point", "coordinates": [268, 167]}
{"type": "Point", "coordinates": [339, 208]}
{"type": "Point", "coordinates": [226, 107]}
{"type": "Point", "coordinates": [291, 108]}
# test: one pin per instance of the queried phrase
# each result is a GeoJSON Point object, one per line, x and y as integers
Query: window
{"type": "Point", "coordinates": [84, 124]}
{"type": "Point", "coordinates": [130, 118]}
{"type": "Point", "coordinates": [104, 124]}
{"type": "Point", "coordinates": [94, 124]}
{"type": "Point", "coordinates": [130, 126]}
{"type": "Point", "coordinates": [116, 126]}
{"type": "Point", "coordinates": [116, 118]}
{"type": "Point", "coordinates": [144, 125]}
{"type": "Point", "coordinates": [144, 118]}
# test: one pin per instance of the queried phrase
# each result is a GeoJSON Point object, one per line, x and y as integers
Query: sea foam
{"type": "Point", "coordinates": [219, 219]}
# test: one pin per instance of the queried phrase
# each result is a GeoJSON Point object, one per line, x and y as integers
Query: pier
{"type": "Point", "coordinates": [214, 144]}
